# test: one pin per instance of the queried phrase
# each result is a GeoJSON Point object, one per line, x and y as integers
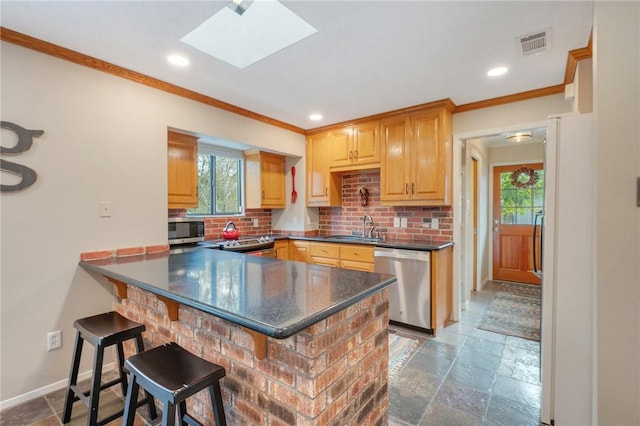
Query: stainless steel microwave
{"type": "Point", "coordinates": [183, 230]}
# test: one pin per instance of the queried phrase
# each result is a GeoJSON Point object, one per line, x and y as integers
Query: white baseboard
{"type": "Point", "coordinates": [483, 283]}
{"type": "Point", "coordinates": [17, 400]}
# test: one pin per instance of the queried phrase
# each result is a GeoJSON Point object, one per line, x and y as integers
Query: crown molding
{"type": "Point", "coordinates": [60, 52]}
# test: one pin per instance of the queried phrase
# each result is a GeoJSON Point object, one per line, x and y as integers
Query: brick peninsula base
{"type": "Point", "coordinates": [334, 372]}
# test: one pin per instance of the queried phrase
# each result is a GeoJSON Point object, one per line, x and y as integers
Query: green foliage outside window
{"type": "Point", "coordinates": [219, 185]}
{"type": "Point", "coordinates": [519, 204]}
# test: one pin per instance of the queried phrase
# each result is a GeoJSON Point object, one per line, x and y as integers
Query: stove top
{"type": "Point", "coordinates": [242, 245]}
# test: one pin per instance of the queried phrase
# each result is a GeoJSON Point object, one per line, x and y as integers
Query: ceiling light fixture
{"type": "Point", "coordinates": [178, 60]}
{"type": "Point", "coordinates": [497, 71]}
{"type": "Point", "coordinates": [519, 137]}
{"type": "Point", "coordinates": [239, 6]}
{"type": "Point", "coordinates": [315, 117]}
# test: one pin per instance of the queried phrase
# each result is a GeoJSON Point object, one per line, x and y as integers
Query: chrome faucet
{"type": "Point", "coordinates": [366, 219]}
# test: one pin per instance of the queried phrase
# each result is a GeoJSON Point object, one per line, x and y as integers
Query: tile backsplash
{"type": "Point", "coordinates": [348, 218]}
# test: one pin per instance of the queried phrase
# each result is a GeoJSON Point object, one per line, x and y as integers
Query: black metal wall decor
{"type": "Point", "coordinates": [25, 140]}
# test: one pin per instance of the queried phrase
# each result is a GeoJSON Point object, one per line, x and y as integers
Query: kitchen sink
{"type": "Point", "coordinates": [354, 238]}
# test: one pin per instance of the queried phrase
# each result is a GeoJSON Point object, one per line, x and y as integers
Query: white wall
{"type": "Point", "coordinates": [104, 140]}
{"type": "Point", "coordinates": [616, 43]}
{"type": "Point", "coordinates": [511, 154]}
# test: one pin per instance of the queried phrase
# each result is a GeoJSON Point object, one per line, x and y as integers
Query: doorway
{"type": "Point", "coordinates": [518, 196]}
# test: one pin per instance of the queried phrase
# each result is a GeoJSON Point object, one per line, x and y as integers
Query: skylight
{"type": "Point", "coordinates": [264, 28]}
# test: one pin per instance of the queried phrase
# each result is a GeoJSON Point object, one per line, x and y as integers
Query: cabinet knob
{"type": "Point", "coordinates": [326, 191]}
{"type": "Point", "coordinates": [413, 188]}
{"type": "Point", "coordinates": [350, 155]}
{"type": "Point", "coordinates": [355, 154]}
{"type": "Point", "coordinates": [406, 188]}
{"type": "Point", "coordinates": [263, 195]}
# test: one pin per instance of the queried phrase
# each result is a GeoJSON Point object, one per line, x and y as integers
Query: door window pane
{"type": "Point", "coordinates": [521, 196]}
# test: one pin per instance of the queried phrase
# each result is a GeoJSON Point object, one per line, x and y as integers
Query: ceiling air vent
{"type": "Point", "coordinates": [532, 44]}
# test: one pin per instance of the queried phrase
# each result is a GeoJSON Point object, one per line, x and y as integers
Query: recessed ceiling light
{"type": "Point", "coordinates": [315, 117]}
{"type": "Point", "coordinates": [178, 60]}
{"type": "Point", "coordinates": [497, 71]}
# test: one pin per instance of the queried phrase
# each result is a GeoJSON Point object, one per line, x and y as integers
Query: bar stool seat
{"type": "Point", "coordinates": [173, 374]}
{"type": "Point", "coordinates": [102, 331]}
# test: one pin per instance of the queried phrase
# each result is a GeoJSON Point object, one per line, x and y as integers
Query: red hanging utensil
{"type": "Point", "coordinates": [294, 194]}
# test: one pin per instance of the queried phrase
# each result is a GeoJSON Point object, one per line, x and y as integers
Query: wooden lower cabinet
{"type": "Point", "coordinates": [299, 251]}
{"type": "Point", "coordinates": [281, 248]}
{"type": "Point", "coordinates": [441, 288]}
{"type": "Point", "coordinates": [349, 256]}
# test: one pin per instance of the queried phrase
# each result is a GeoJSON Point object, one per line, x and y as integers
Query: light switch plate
{"type": "Point", "coordinates": [396, 222]}
{"type": "Point", "coordinates": [403, 222]}
{"type": "Point", "coordinates": [435, 223]}
{"type": "Point", "coordinates": [105, 209]}
{"type": "Point", "coordinates": [256, 223]}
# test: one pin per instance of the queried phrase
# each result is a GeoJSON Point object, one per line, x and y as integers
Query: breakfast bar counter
{"type": "Point", "coordinates": [301, 343]}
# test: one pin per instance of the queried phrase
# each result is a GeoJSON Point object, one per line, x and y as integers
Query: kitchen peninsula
{"type": "Point", "coordinates": [302, 344]}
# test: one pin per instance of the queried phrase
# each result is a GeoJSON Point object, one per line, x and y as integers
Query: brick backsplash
{"type": "Point", "coordinates": [213, 225]}
{"type": "Point", "coordinates": [348, 218]}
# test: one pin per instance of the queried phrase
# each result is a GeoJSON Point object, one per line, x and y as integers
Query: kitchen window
{"type": "Point", "coordinates": [220, 181]}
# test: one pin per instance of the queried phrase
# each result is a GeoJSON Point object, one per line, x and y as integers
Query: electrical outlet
{"type": "Point", "coordinates": [396, 222]}
{"type": "Point", "coordinates": [256, 223]}
{"type": "Point", "coordinates": [435, 223]}
{"type": "Point", "coordinates": [54, 340]}
{"type": "Point", "coordinates": [403, 222]}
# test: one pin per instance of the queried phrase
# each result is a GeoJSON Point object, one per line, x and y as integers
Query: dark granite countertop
{"type": "Point", "coordinates": [414, 244]}
{"type": "Point", "coordinates": [275, 297]}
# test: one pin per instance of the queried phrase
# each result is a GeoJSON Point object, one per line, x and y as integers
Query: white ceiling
{"type": "Point", "coordinates": [367, 57]}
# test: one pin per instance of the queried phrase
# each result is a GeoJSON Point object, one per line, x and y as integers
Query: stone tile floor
{"type": "Point", "coordinates": [464, 376]}
{"type": "Point", "coordinates": [468, 376]}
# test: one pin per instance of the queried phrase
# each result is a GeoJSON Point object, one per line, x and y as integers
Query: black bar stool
{"type": "Point", "coordinates": [102, 331]}
{"type": "Point", "coordinates": [173, 374]}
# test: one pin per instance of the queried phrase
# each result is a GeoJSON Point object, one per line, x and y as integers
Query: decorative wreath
{"type": "Point", "coordinates": [524, 177]}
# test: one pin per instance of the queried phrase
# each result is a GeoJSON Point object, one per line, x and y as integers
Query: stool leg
{"type": "Point", "coordinates": [123, 376]}
{"type": "Point", "coordinates": [92, 419]}
{"type": "Point", "coordinates": [131, 401]}
{"type": "Point", "coordinates": [151, 404]}
{"type": "Point", "coordinates": [216, 403]}
{"type": "Point", "coordinates": [169, 414]}
{"type": "Point", "coordinates": [73, 378]}
{"type": "Point", "coordinates": [182, 411]}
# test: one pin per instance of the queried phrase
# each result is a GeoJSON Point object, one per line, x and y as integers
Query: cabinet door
{"type": "Point", "coordinates": [182, 170]}
{"type": "Point", "coordinates": [317, 169]}
{"type": "Point", "coordinates": [358, 266]}
{"type": "Point", "coordinates": [299, 251]}
{"type": "Point", "coordinates": [272, 180]}
{"type": "Point", "coordinates": [427, 178]}
{"type": "Point", "coordinates": [323, 188]}
{"type": "Point", "coordinates": [282, 249]}
{"type": "Point", "coordinates": [394, 170]}
{"type": "Point", "coordinates": [366, 143]}
{"type": "Point", "coordinates": [341, 147]}
{"type": "Point", "coordinates": [325, 261]}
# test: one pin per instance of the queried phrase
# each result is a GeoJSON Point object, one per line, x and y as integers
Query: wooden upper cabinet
{"type": "Point", "coordinates": [416, 164]}
{"type": "Point", "coordinates": [355, 147]}
{"type": "Point", "coordinates": [396, 159]}
{"type": "Point", "coordinates": [182, 170]}
{"type": "Point", "coordinates": [323, 188]}
{"type": "Point", "coordinates": [264, 180]}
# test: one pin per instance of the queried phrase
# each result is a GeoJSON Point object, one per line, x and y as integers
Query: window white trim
{"type": "Point", "coordinates": [219, 151]}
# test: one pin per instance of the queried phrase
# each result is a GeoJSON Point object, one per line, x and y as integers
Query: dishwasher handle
{"type": "Point", "coordinates": [424, 256]}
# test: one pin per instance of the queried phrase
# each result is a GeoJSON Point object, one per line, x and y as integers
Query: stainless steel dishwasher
{"type": "Point", "coordinates": [410, 299]}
